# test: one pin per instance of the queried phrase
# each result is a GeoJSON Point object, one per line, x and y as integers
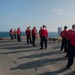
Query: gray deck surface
{"type": "Point", "coordinates": [18, 58]}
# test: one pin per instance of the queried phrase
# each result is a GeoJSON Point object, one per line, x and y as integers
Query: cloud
{"type": "Point", "coordinates": [58, 11]}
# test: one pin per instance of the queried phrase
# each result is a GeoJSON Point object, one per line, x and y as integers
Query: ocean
{"type": "Point", "coordinates": [6, 34]}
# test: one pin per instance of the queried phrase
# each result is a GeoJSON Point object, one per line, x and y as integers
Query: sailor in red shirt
{"type": "Point", "coordinates": [44, 36]}
{"type": "Point", "coordinates": [34, 34]}
{"type": "Point", "coordinates": [64, 39]}
{"type": "Point", "coordinates": [28, 34]}
{"type": "Point", "coordinates": [71, 37]}
{"type": "Point", "coordinates": [11, 33]}
{"type": "Point", "coordinates": [40, 35]}
{"type": "Point", "coordinates": [19, 34]}
{"type": "Point", "coordinates": [68, 42]}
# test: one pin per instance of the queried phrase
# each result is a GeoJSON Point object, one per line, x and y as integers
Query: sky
{"type": "Point", "coordinates": [24, 13]}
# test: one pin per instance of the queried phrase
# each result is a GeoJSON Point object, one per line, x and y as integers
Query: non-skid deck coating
{"type": "Point", "coordinates": [18, 58]}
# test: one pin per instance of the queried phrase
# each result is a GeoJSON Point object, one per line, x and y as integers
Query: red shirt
{"type": "Point", "coordinates": [34, 32]}
{"type": "Point", "coordinates": [40, 32]}
{"type": "Point", "coordinates": [72, 37]}
{"type": "Point", "coordinates": [18, 32]}
{"type": "Point", "coordinates": [28, 32]}
{"type": "Point", "coordinates": [64, 34]}
{"type": "Point", "coordinates": [68, 34]}
{"type": "Point", "coordinates": [44, 32]}
{"type": "Point", "coordinates": [11, 32]}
